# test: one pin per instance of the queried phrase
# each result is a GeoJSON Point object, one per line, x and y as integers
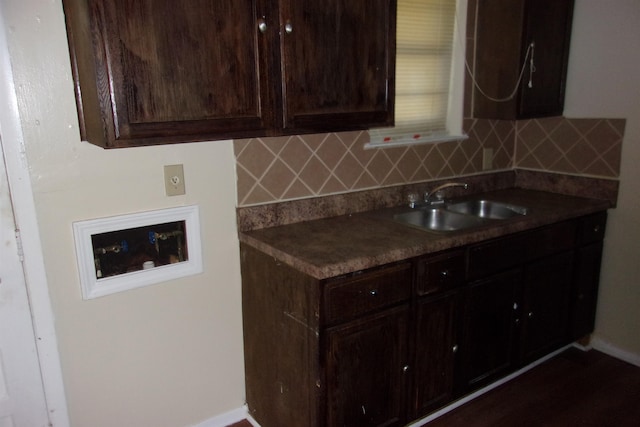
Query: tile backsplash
{"type": "Point", "coordinates": [589, 147]}
{"type": "Point", "coordinates": [302, 166]}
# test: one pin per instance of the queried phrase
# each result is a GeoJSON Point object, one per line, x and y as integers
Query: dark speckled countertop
{"type": "Point", "coordinates": [331, 247]}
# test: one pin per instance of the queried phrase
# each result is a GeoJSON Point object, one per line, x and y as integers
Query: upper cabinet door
{"type": "Point", "coordinates": [505, 31]}
{"type": "Point", "coordinates": [338, 64]}
{"type": "Point", "coordinates": [161, 71]}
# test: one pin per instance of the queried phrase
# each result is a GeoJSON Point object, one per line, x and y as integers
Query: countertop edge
{"type": "Point", "coordinates": [418, 242]}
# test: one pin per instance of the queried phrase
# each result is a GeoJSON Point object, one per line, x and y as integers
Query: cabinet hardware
{"type": "Point", "coordinates": [262, 25]}
{"type": "Point", "coordinates": [288, 27]}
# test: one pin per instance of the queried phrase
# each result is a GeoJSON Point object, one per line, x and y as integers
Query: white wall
{"type": "Point", "coordinates": [165, 355]}
{"type": "Point", "coordinates": [604, 81]}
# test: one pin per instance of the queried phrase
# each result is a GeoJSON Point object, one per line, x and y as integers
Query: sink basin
{"type": "Point", "coordinates": [487, 209]}
{"type": "Point", "coordinates": [437, 219]}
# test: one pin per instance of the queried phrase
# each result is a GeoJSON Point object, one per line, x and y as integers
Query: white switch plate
{"type": "Point", "coordinates": [487, 159]}
{"type": "Point", "coordinates": [174, 180]}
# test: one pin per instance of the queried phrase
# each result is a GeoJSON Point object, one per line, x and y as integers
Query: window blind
{"type": "Point", "coordinates": [424, 52]}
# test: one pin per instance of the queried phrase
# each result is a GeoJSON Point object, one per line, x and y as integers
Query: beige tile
{"type": "Point", "coordinates": [331, 151]}
{"type": "Point", "coordinates": [278, 178]}
{"type": "Point", "coordinates": [245, 182]}
{"type": "Point", "coordinates": [380, 166]}
{"type": "Point", "coordinates": [315, 174]}
{"type": "Point", "coordinates": [297, 190]}
{"type": "Point", "coordinates": [348, 171]}
{"type": "Point", "coordinates": [257, 196]}
{"type": "Point", "coordinates": [333, 186]}
{"type": "Point", "coordinates": [256, 158]}
{"type": "Point", "coordinates": [295, 154]}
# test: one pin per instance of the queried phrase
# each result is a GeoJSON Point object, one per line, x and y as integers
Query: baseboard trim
{"type": "Point", "coordinates": [610, 349]}
{"type": "Point", "coordinates": [226, 419]}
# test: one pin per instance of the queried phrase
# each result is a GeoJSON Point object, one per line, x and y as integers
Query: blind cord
{"type": "Point", "coordinates": [532, 69]}
{"type": "Point", "coordinates": [528, 56]}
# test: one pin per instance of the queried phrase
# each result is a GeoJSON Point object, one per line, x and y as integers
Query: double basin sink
{"type": "Point", "coordinates": [458, 215]}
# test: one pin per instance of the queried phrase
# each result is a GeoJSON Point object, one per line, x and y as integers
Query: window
{"type": "Point", "coordinates": [429, 74]}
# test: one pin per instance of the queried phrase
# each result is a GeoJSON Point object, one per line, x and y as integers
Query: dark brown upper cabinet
{"type": "Point", "coordinates": [505, 30]}
{"type": "Point", "coordinates": [159, 71]}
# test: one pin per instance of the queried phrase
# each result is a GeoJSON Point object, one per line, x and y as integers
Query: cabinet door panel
{"type": "Point", "coordinates": [365, 377]}
{"type": "Point", "coordinates": [489, 332]}
{"type": "Point", "coordinates": [169, 71]}
{"type": "Point", "coordinates": [546, 305]}
{"type": "Point", "coordinates": [435, 351]}
{"type": "Point", "coordinates": [339, 63]}
{"type": "Point", "coordinates": [585, 291]}
{"type": "Point", "coordinates": [548, 26]}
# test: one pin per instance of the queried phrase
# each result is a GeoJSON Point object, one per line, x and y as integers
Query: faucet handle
{"type": "Point", "coordinates": [413, 199]}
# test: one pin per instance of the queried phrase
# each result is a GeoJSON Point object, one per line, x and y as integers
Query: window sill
{"type": "Point", "coordinates": [404, 142]}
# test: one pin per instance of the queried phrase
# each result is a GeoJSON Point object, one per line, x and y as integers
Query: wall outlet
{"type": "Point", "coordinates": [174, 180]}
{"type": "Point", "coordinates": [487, 159]}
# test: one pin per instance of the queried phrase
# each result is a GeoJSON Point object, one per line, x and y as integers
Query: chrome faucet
{"type": "Point", "coordinates": [437, 192]}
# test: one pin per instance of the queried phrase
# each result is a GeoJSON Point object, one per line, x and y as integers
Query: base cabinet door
{"type": "Point", "coordinates": [490, 328]}
{"type": "Point", "coordinates": [436, 348]}
{"type": "Point", "coordinates": [366, 370]}
{"type": "Point", "coordinates": [545, 308]}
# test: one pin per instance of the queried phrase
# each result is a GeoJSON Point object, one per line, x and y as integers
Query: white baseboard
{"type": "Point", "coordinates": [226, 419]}
{"type": "Point", "coordinates": [617, 352]}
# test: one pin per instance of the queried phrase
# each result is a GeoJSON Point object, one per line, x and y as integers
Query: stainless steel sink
{"type": "Point", "coordinates": [438, 219]}
{"type": "Point", "coordinates": [487, 209]}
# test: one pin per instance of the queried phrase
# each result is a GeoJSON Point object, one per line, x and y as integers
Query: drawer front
{"type": "Point", "coordinates": [552, 239]}
{"type": "Point", "coordinates": [497, 255]}
{"type": "Point", "coordinates": [592, 228]}
{"type": "Point", "coordinates": [441, 272]}
{"type": "Point", "coordinates": [347, 298]}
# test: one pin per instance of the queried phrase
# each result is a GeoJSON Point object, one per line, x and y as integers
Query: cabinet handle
{"type": "Point", "coordinates": [405, 368]}
{"type": "Point", "coordinates": [530, 315]}
{"type": "Point", "coordinates": [455, 348]}
{"type": "Point", "coordinates": [288, 27]}
{"type": "Point", "coordinates": [262, 25]}
{"type": "Point", "coordinates": [596, 229]}
{"type": "Point", "coordinates": [373, 292]}
{"type": "Point", "coordinates": [515, 305]}
{"type": "Point", "coordinates": [444, 274]}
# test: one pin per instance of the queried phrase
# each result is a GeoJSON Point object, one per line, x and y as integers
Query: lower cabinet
{"type": "Point", "coordinates": [490, 327]}
{"type": "Point", "coordinates": [545, 306]}
{"type": "Point", "coordinates": [435, 353]}
{"type": "Point", "coordinates": [367, 370]}
{"type": "Point", "coordinates": [389, 345]}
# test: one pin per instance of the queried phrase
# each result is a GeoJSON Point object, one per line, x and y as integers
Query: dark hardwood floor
{"type": "Point", "coordinates": [575, 388]}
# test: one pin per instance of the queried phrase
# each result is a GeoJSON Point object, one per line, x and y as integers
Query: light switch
{"type": "Point", "coordinates": [174, 180]}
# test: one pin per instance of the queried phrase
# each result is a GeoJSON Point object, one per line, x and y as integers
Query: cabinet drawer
{"type": "Point", "coordinates": [592, 228]}
{"type": "Point", "coordinates": [497, 255]}
{"type": "Point", "coordinates": [441, 272]}
{"type": "Point", "coordinates": [552, 239]}
{"type": "Point", "coordinates": [347, 298]}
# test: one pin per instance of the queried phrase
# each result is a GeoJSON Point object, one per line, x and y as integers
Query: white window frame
{"type": "Point", "coordinates": [455, 111]}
